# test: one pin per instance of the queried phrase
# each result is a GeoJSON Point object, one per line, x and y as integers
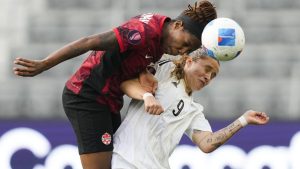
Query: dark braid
{"type": "Point", "coordinates": [202, 12]}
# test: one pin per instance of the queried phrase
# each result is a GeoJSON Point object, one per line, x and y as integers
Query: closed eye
{"type": "Point", "coordinates": [209, 69]}
{"type": "Point", "coordinates": [213, 75]}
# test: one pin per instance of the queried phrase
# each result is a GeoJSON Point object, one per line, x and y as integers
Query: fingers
{"type": "Point", "coordinates": [23, 59]}
{"type": "Point", "coordinates": [255, 117]}
{"type": "Point", "coordinates": [24, 71]}
{"type": "Point", "coordinates": [28, 68]}
{"type": "Point", "coordinates": [154, 110]}
{"type": "Point", "coordinates": [262, 117]}
{"type": "Point", "coordinates": [147, 88]}
{"type": "Point", "coordinates": [151, 89]}
{"type": "Point", "coordinates": [152, 106]}
{"type": "Point", "coordinates": [24, 62]}
{"type": "Point", "coordinates": [148, 81]}
{"type": "Point", "coordinates": [24, 74]}
{"type": "Point", "coordinates": [21, 69]}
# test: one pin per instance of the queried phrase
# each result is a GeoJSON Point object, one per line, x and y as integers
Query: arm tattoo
{"type": "Point", "coordinates": [209, 140]}
{"type": "Point", "coordinates": [218, 138]}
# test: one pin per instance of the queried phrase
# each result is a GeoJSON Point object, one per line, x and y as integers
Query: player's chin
{"type": "Point", "coordinates": [167, 50]}
{"type": "Point", "coordinates": [175, 53]}
{"type": "Point", "coordinates": [170, 51]}
{"type": "Point", "coordinates": [199, 87]}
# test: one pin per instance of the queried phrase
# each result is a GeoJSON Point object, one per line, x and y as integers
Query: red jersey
{"type": "Point", "coordinates": [101, 74]}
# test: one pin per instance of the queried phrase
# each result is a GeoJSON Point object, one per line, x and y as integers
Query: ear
{"type": "Point", "coordinates": [188, 61]}
{"type": "Point", "coordinates": [178, 24]}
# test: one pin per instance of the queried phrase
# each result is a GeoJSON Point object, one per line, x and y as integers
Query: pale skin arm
{"type": "Point", "coordinates": [135, 90]}
{"type": "Point", "coordinates": [103, 41]}
{"type": "Point", "coordinates": [208, 141]}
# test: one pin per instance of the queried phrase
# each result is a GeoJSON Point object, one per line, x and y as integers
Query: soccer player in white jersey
{"type": "Point", "coordinates": [146, 141]}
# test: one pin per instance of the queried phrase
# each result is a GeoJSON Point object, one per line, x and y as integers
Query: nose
{"type": "Point", "coordinates": [207, 77]}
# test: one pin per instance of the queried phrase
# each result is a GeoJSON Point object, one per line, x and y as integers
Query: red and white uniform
{"type": "Point", "coordinates": [101, 74]}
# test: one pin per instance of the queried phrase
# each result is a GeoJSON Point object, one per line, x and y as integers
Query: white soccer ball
{"type": "Point", "coordinates": [223, 39]}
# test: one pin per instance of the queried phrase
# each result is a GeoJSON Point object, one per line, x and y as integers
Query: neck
{"type": "Point", "coordinates": [188, 89]}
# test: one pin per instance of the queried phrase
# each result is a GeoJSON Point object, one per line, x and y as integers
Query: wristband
{"type": "Point", "coordinates": [243, 121]}
{"type": "Point", "coordinates": [146, 95]}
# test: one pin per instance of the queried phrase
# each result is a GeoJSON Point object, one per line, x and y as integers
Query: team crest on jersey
{"type": "Point", "coordinates": [134, 37]}
{"type": "Point", "coordinates": [106, 138]}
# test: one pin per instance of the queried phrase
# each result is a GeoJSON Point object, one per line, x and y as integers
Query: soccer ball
{"type": "Point", "coordinates": [223, 39]}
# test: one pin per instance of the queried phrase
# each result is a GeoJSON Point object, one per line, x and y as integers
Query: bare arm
{"type": "Point", "coordinates": [103, 41]}
{"type": "Point", "coordinates": [148, 81]}
{"type": "Point", "coordinates": [208, 141]}
{"type": "Point", "coordinates": [135, 90]}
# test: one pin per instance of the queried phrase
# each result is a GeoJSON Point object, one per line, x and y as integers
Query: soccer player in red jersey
{"type": "Point", "coordinates": [92, 97]}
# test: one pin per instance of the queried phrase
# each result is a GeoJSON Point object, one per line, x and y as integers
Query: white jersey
{"type": "Point", "coordinates": [145, 141]}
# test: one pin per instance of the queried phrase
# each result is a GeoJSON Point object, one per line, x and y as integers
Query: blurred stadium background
{"type": "Point", "coordinates": [265, 77]}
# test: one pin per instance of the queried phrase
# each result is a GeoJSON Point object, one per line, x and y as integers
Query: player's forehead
{"type": "Point", "coordinates": [210, 63]}
{"type": "Point", "coordinates": [204, 60]}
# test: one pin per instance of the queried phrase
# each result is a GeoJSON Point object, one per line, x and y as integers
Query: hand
{"type": "Point", "coordinates": [152, 106]}
{"type": "Point", "coordinates": [255, 117]}
{"type": "Point", "coordinates": [28, 68]}
{"type": "Point", "coordinates": [148, 81]}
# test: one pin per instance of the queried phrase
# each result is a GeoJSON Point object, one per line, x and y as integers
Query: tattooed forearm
{"type": "Point", "coordinates": [233, 126]}
{"type": "Point", "coordinates": [209, 140]}
{"type": "Point", "coordinates": [218, 138]}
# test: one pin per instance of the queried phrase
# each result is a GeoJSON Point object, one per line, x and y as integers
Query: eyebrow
{"type": "Point", "coordinates": [211, 68]}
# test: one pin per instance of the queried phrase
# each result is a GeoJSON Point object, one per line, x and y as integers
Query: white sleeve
{"type": "Point", "coordinates": [199, 123]}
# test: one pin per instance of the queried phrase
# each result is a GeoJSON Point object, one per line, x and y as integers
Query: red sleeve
{"type": "Point", "coordinates": [130, 35]}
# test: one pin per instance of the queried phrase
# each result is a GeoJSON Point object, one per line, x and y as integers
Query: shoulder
{"type": "Point", "coordinates": [197, 107]}
{"type": "Point", "coordinates": [153, 19]}
{"type": "Point", "coordinates": [163, 69]}
{"type": "Point", "coordinates": [144, 20]}
{"type": "Point", "coordinates": [150, 23]}
{"type": "Point", "coordinates": [136, 32]}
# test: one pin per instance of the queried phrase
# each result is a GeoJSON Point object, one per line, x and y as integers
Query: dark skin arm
{"type": "Point", "coordinates": [103, 41]}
